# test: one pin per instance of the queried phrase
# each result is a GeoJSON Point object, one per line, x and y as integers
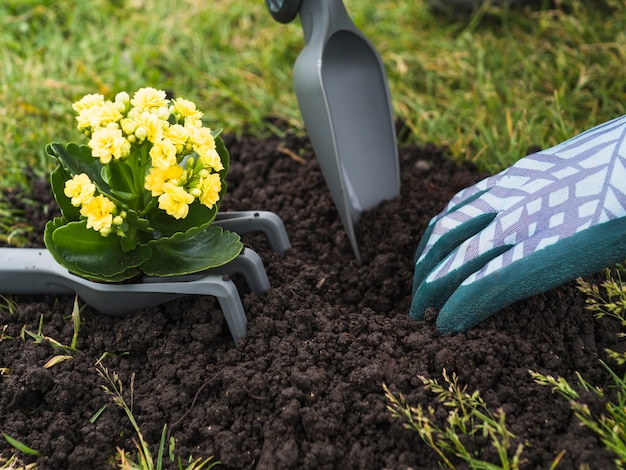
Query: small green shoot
{"type": "Point", "coordinates": [21, 446]}
{"type": "Point", "coordinates": [69, 350]}
{"type": "Point", "coordinates": [468, 417]}
{"type": "Point", "coordinates": [144, 459]}
{"type": "Point", "coordinates": [7, 305]}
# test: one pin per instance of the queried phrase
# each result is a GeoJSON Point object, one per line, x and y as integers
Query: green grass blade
{"type": "Point", "coordinates": [21, 446]}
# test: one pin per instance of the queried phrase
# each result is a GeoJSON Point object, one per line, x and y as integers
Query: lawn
{"type": "Point", "coordinates": [490, 87]}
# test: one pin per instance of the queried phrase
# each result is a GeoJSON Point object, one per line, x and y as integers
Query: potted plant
{"type": "Point", "coordinates": [140, 196]}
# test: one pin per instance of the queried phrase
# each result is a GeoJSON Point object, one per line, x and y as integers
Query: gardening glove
{"type": "Point", "coordinates": [551, 217]}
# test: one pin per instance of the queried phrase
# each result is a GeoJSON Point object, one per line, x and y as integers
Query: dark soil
{"type": "Point", "coordinates": [304, 388]}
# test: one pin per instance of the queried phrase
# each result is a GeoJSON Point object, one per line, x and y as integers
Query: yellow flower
{"type": "Point", "coordinates": [148, 99]}
{"type": "Point", "coordinates": [176, 134]}
{"type": "Point", "coordinates": [175, 200]}
{"type": "Point", "coordinates": [80, 189]}
{"type": "Point", "coordinates": [107, 143]}
{"type": "Point", "coordinates": [148, 126]}
{"type": "Point", "coordinates": [157, 177]}
{"type": "Point", "coordinates": [186, 109]}
{"type": "Point", "coordinates": [211, 187]}
{"type": "Point", "coordinates": [88, 101]}
{"type": "Point", "coordinates": [202, 137]}
{"type": "Point", "coordinates": [204, 145]}
{"type": "Point", "coordinates": [98, 116]}
{"type": "Point", "coordinates": [210, 158]}
{"type": "Point", "coordinates": [191, 123]}
{"type": "Point", "coordinates": [99, 213]}
{"type": "Point", "coordinates": [163, 154]}
{"type": "Point", "coordinates": [129, 126]}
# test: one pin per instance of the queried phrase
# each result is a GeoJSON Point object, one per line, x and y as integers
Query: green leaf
{"type": "Point", "coordinates": [21, 446]}
{"type": "Point", "coordinates": [225, 157]}
{"type": "Point", "coordinates": [57, 180]}
{"type": "Point", "coordinates": [124, 196]}
{"type": "Point", "coordinates": [183, 254]}
{"type": "Point", "coordinates": [77, 159]}
{"type": "Point", "coordinates": [129, 242]}
{"type": "Point", "coordinates": [133, 219]}
{"type": "Point", "coordinates": [223, 152]}
{"type": "Point", "coordinates": [198, 218]}
{"type": "Point", "coordinates": [120, 178]}
{"type": "Point", "coordinates": [88, 254]}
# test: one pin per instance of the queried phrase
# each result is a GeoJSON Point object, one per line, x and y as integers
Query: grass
{"type": "Point", "coordinates": [490, 87]}
{"type": "Point", "coordinates": [14, 462]}
{"type": "Point", "coordinates": [68, 350]}
{"type": "Point", "coordinates": [143, 458]}
{"type": "Point", "coordinates": [469, 418]}
{"type": "Point", "coordinates": [470, 427]}
{"type": "Point", "coordinates": [605, 300]}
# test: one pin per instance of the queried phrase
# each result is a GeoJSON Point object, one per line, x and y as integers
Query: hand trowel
{"type": "Point", "coordinates": [341, 87]}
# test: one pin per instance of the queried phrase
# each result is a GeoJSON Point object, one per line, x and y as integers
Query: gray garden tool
{"type": "Point", "coordinates": [342, 92]}
{"type": "Point", "coordinates": [34, 271]}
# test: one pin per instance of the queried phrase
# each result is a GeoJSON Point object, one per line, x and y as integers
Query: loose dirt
{"type": "Point", "coordinates": [304, 389]}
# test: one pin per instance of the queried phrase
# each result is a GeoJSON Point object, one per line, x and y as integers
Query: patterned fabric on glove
{"type": "Point", "coordinates": [551, 217]}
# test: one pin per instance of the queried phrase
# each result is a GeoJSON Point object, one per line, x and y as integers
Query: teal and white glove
{"type": "Point", "coordinates": [551, 217]}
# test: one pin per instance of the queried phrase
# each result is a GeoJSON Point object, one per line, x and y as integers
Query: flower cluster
{"type": "Point", "coordinates": [182, 164]}
{"type": "Point", "coordinates": [98, 209]}
{"type": "Point", "coordinates": [140, 197]}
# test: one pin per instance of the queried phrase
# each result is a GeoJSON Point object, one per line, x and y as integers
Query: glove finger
{"type": "Point", "coordinates": [434, 294]}
{"type": "Point", "coordinates": [584, 253]}
{"type": "Point", "coordinates": [446, 244]}
{"type": "Point", "coordinates": [462, 198]}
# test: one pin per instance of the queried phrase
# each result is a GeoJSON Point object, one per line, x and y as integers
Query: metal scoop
{"type": "Point", "coordinates": [342, 92]}
{"type": "Point", "coordinates": [34, 271]}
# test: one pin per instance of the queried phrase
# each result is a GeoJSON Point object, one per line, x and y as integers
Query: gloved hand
{"type": "Point", "coordinates": [551, 217]}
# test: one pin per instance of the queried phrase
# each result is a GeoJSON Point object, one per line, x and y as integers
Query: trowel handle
{"type": "Point", "coordinates": [283, 11]}
{"type": "Point", "coordinates": [321, 19]}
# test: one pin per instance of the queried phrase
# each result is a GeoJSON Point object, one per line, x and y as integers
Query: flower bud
{"type": "Point", "coordinates": [126, 148]}
{"type": "Point", "coordinates": [163, 113]}
{"type": "Point", "coordinates": [121, 107]}
{"type": "Point", "coordinates": [141, 133]}
{"type": "Point", "coordinates": [128, 126]}
{"type": "Point", "coordinates": [118, 220]}
{"type": "Point", "coordinates": [122, 97]}
{"type": "Point", "coordinates": [106, 231]}
{"type": "Point", "coordinates": [195, 192]}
